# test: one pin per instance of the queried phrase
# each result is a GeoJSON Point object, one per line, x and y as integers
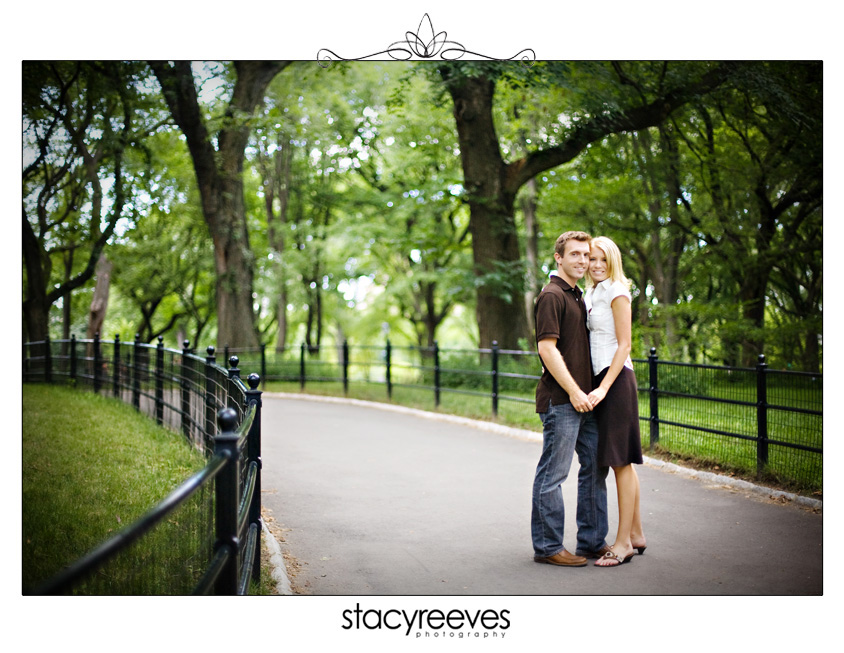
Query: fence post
{"type": "Point", "coordinates": [159, 380]}
{"type": "Point", "coordinates": [185, 383]}
{"type": "Point", "coordinates": [654, 396]}
{"type": "Point", "coordinates": [436, 374]}
{"type": "Point", "coordinates": [253, 395]}
{"type": "Point", "coordinates": [210, 408]}
{"type": "Point", "coordinates": [115, 375]}
{"type": "Point", "coordinates": [73, 356]}
{"type": "Point", "coordinates": [495, 378]}
{"type": "Point", "coordinates": [234, 373]}
{"type": "Point", "coordinates": [346, 367]}
{"type": "Point", "coordinates": [388, 356]}
{"type": "Point", "coordinates": [136, 373]}
{"type": "Point", "coordinates": [226, 500]}
{"type": "Point", "coordinates": [302, 367]}
{"type": "Point", "coordinates": [234, 370]}
{"type": "Point", "coordinates": [97, 359]}
{"type": "Point", "coordinates": [761, 415]}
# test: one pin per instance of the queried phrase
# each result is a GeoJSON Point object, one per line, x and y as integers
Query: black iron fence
{"type": "Point", "coordinates": [754, 420]}
{"type": "Point", "coordinates": [210, 526]}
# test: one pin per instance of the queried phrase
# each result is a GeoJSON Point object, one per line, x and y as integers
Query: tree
{"type": "Point", "coordinates": [419, 252]}
{"type": "Point", "coordinates": [613, 99]}
{"type": "Point", "coordinates": [80, 120]}
{"type": "Point", "coordinates": [219, 174]}
{"type": "Point", "coordinates": [164, 269]}
{"type": "Point", "coordinates": [718, 212]}
{"type": "Point", "coordinates": [759, 147]}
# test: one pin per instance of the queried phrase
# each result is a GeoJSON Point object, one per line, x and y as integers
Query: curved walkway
{"type": "Point", "coordinates": [379, 500]}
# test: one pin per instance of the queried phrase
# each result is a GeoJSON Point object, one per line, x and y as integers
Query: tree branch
{"type": "Point", "coordinates": [597, 127]}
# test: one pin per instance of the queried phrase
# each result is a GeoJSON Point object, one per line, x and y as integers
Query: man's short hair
{"type": "Point", "coordinates": [560, 245]}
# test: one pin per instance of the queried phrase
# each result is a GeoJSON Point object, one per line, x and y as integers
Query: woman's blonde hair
{"type": "Point", "coordinates": [615, 272]}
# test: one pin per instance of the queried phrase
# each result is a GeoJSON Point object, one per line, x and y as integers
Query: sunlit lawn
{"type": "Point", "coordinates": [91, 466]}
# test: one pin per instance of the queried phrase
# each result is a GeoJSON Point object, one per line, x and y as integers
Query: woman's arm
{"type": "Point", "coordinates": [623, 318]}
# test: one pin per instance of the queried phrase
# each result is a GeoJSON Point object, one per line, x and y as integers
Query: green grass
{"type": "Point", "coordinates": [91, 466]}
{"type": "Point", "coordinates": [789, 468]}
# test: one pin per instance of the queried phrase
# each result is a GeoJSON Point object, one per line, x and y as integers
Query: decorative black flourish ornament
{"type": "Point", "coordinates": [424, 43]}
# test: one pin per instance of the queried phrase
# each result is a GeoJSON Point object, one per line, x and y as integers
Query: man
{"type": "Point", "coordinates": [568, 424]}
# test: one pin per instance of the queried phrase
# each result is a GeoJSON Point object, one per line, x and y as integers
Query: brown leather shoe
{"type": "Point", "coordinates": [597, 554]}
{"type": "Point", "coordinates": [562, 559]}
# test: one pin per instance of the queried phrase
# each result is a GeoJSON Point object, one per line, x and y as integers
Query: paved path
{"type": "Point", "coordinates": [384, 502]}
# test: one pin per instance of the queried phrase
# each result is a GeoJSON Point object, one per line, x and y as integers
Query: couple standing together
{"type": "Point", "coordinates": [587, 401]}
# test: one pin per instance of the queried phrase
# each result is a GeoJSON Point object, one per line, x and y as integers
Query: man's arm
{"type": "Point", "coordinates": [554, 363]}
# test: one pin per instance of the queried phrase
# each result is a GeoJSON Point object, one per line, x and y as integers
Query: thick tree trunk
{"type": "Point", "coordinates": [36, 308]}
{"type": "Point", "coordinates": [495, 245]}
{"type": "Point", "coordinates": [234, 267]}
{"type": "Point", "coordinates": [219, 176]}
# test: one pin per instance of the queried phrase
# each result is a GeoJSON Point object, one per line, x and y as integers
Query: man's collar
{"type": "Point", "coordinates": [564, 284]}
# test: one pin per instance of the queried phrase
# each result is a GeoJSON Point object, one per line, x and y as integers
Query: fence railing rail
{"type": "Point", "coordinates": [215, 411]}
{"type": "Point", "coordinates": [768, 420]}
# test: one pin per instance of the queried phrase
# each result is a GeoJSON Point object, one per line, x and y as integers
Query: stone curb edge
{"type": "Point", "coordinates": [279, 573]}
{"type": "Point", "coordinates": [524, 434]}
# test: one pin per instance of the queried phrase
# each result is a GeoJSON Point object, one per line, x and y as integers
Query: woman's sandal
{"type": "Point", "coordinates": [612, 556]}
{"type": "Point", "coordinates": [641, 549]}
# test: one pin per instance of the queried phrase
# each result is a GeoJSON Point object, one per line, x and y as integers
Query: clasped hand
{"type": "Point", "coordinates": [580, 402]}
{"type": "Point", "coordinates": [596, 396]}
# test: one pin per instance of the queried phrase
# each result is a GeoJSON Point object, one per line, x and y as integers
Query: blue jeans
{"type": "Point", "coordinates": [565, 431]}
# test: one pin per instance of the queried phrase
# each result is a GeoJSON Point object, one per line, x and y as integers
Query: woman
{"type": "Point", "coordinates": [614, 398]}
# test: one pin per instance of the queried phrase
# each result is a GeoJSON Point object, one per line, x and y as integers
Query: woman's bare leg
{"type": "Point", "coordinates": [637, 535]}
{"type": "Point", "coordinates": [627, 487]}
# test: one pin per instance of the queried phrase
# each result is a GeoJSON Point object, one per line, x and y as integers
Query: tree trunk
{"type": "Point", "coordinates": [812, 355]}
{"type": "Point", "coordinates": [277, 180]}
{"type": "Point", "coordinates": [99, 303]}
{"type": "Point", "coordinates": [36, 308]}
{"type": "Point", "coordinates": [234, 266]}
{"type": "Point", "coordinates": [67, 305]}
{"type": "Point", "coordinates": [532, 283]}
{"type": "Point", "coordinates": [281, 313]}
{"type": "Point", "coordinates": [495, 245]}
{"type": "Point", "coordinates": [220, 179]}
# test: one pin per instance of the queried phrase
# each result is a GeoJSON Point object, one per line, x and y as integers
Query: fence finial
{"type": "Point", "coordinates": [227, 419]}
{"type": "Point", "coordinates": [253, 380]}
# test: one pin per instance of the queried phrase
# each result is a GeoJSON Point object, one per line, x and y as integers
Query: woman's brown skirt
{"type": "Point", "coordinates": [619, 440]}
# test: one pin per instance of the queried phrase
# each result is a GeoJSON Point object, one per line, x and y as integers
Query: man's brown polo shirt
{"type": "Point", "coordinates": [560, 313]}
